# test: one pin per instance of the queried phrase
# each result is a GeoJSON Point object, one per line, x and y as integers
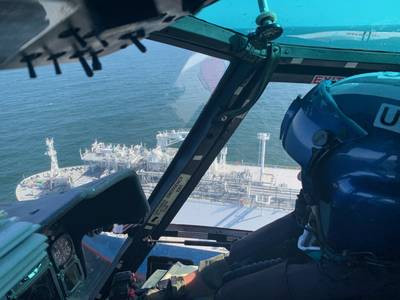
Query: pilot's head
{"type": "Point", "coordinates": [346, 138]}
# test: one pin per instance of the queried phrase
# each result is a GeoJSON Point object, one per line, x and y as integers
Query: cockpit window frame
{"type": "Point", "coordinates": [240, 87]}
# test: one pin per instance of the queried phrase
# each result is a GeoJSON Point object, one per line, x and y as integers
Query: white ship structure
{"type": "Point", "coordinates": [248, 185]}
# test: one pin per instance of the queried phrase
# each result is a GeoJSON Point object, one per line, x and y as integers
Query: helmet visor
{"type": "Point", "coordinates": [308, 116]}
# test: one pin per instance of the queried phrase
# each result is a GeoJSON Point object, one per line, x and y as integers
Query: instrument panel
{"type": "Point", "coordinates": [39, 283]}
{"type": "Point", "coordinates": [62, 250]}
{"type": "Point", "coordinates": [55, 269]}
{"type": "Point", "coordinates": [68, 266]}
{"type": "Point", "coordinates": [56, 276]}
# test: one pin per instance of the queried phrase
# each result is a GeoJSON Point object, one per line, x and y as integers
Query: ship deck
{"type": "Point", "coordinates": [227, 215]}
{"type": "Point", "coordinates": [275, 175]}
{"type": "Point", "coordinates": [281, 182]}
{"type": "Point", "coordinates": [34, 186]}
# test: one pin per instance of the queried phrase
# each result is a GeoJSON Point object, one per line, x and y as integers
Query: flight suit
{"type": "Point", "coordinates": [267, 264]}
{"type": "Point", "coordinates": [294, 275]}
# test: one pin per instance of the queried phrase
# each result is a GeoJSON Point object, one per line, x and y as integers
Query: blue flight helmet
{"type": "Point", "coordinates": [346, 138]}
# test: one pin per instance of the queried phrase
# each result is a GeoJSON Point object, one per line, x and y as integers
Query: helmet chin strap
{"type": "Point", "coordinates": [309, 196]}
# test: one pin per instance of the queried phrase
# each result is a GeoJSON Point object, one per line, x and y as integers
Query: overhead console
{"type": "Point", "coordinates": [43, 244]}
{"type": "Point", "coordinates": [41, 32]}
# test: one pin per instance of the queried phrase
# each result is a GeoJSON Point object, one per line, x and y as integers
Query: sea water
{"type": "Point", "coordinates": [128, 102]}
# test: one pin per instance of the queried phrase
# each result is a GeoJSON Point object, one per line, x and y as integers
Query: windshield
{"type": "Point", "coordinates": [59, 132]}
{"type": "Point", "coordinates": [253, 182]}
{"type": "Point", "coordinates": [365, 25]}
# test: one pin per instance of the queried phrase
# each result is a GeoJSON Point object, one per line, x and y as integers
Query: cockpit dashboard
{"type": "Point", "coordinates": [66, 259]}
{"type": "Point", "coordinates": [56, 276]}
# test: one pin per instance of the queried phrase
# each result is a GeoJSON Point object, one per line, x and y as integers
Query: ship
{"type": "Point", "coordinates": [258, 185]}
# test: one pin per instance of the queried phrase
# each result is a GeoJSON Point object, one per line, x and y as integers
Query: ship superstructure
{"type": "Point", "coordinates": [251, 185]}
{"type": "Point", "coordinates": [138, 157]}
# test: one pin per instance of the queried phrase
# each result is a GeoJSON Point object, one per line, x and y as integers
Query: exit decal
{"type": "Point", "coordinates": [318, 78]}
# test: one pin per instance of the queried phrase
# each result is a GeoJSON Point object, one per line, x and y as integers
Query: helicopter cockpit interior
{"type": "Point", "coordinates": [62, 246]}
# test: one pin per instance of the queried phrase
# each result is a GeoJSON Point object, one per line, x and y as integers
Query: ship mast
{"type": "Point", "coordinates": [52, 153]}
{"type": "Point", "coordinates": [263, 137]}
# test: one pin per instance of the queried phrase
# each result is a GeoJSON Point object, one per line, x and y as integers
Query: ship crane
{"type": "Point", "coordinates": [52, 153]}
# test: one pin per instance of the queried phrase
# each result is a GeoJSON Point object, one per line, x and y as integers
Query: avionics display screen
{"type": "Point", "coordinates": [43, 289]}
{"type": "Point", "coordinates": [72, 277]}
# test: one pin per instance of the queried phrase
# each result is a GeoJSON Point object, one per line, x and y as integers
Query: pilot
{"type": "Point", "coordinates": [343, 239]}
